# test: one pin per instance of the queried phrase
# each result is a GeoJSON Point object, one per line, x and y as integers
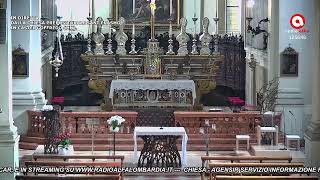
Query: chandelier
{"type": "Point", "coordinates": [57, 60]}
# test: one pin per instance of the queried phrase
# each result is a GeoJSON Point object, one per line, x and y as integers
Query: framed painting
{"type": "Point", "coordinates": [20, 63]}
{"type": "Point", "coordinates": [138, 11]}
{"type": "Point", "coordinates": [289, 62]}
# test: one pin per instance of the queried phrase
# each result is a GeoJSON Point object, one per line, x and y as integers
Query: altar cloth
{"type": "Point", "coordinates": [149, 84]}
{"type": "Point", "coordinates": [166, 131]}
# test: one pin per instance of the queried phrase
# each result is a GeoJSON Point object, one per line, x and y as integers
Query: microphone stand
{"type": "Point", "coordinates": [284, 130]}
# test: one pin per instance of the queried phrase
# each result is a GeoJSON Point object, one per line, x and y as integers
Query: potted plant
{"type": "Point", "coordinates": [64, 144]}
{"type": "Point", "coordinates": [114, 127]}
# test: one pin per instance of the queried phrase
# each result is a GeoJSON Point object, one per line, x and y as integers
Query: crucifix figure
{"type": "Point", "coordinates": [153, 8]}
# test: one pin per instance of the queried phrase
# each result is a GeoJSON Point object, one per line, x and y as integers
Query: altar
{"type": "Point", "coordinates": [165, 93]}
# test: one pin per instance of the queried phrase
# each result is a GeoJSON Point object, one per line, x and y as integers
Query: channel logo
{"type": "Point", "coordinates": [297, 21]}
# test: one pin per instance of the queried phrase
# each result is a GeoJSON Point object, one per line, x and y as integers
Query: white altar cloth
{"type": "Point", "coordinates": [148, 84]}
{"type": "Point", "coordinates": [166, 131]}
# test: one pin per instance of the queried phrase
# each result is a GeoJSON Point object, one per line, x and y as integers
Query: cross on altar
{"type": "Point", "coordinates": [153, 8]}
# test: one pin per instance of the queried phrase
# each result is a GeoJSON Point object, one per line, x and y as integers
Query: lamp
{"type": "Point", "coordinates": [57, 59]}
{"type": "Point", "coordinates": [249, 18]}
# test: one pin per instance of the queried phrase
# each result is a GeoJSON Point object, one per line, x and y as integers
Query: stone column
{"type": "Point", "coordinates": [9, 156]}
{"type": "Point", "coordinates": [312, 134]}
{"type": "Point", "coordinates": [273, 39]}
{"type": "Point", "coordinates": [27, 91]}
{"type": "Point", "coordinates": [252, 65]}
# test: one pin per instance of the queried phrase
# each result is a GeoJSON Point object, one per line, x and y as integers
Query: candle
{"type": "Point", "coordinates": [194, 7]}
{"type": "Point", "coordinates": [133, 30]}
{"type": "Point", "coordinates": [89, 8]}
{"type": "Point", "coordinates": [133, 6]}
{"type": "Point", "coordinates": [170, 29]}
{"type": "Point", "coordinates": [152, 9]}
{"type": "Point", "coordinates": [170, 8]}
{"type": "Point", "coordinates": [216, 8]}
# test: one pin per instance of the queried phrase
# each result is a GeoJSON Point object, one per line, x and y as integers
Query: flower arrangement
{"type": "Point", "coordinates": [115, 123]}
{"type": "Point", "coordinates": [64, 141]}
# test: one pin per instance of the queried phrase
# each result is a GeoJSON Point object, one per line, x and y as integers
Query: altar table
{"type": "Point", "coordinates": [166, 131]}
{"type": "Point", "coordinates": [165, 92]}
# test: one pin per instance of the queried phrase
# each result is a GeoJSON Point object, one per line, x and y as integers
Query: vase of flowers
{"type": "Point", "coordinates": [64, 144]}
{"type": "Point", "coordinates": [114, 127]}
{"type": "Point", "coordinates": [115, 123]}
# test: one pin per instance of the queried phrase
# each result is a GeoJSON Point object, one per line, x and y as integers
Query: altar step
{"type": "Point", "coordinates": [103, 142]}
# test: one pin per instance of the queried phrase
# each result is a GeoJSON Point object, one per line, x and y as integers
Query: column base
{"type": "Point", "coordinates": [312, 145]}
{"type": "Point", "coordinates": [9, 148]}
{"type": "Point", "coordinates": [23, 101]}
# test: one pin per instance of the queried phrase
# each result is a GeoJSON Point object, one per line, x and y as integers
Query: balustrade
{"type": "Point", "coordinates": [224, 122]}
{"type": "Point", "coordinates": [75, 122]}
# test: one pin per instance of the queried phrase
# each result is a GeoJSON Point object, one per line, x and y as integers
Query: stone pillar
{"type": "Point", "coordinates": [27, 92]}
{"type": "Point", "coordinates": [9, 156]}
{"type": "Point", "coordinates": [273, 40]}
{"type": "Point", "coordinates": [312, 134]}
{"type": "Point", "coordinates": [252, 65]}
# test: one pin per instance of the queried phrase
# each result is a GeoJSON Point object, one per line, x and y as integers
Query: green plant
{"type": "Point", "coordinates": [64, 140]}
{"type": "Point", "coordinates": [268, 95]}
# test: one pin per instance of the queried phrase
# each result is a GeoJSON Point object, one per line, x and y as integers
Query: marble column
{"type": "Point", "coordinates": [273, 40]}
{"type": "Point", "coordinates": [27, 92]}
{"type": "Point", "coordinates": [312, 134]}
{"type": "Point", "coordinates": [9, 156]}
{"type": "Point", "coordinates": [252, 65]}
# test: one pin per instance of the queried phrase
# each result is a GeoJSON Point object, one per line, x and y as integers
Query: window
{"type": "Point", "coordinates": [233, 16]}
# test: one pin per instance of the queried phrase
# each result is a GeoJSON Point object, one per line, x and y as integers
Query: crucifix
{"type": "Point", "coordinates": [153, 8]}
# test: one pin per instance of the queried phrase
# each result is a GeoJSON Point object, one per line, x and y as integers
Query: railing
{"type": "Point", "coordinates": [75, 122]}
{"type": "Point", "coordinates": [224, 122]}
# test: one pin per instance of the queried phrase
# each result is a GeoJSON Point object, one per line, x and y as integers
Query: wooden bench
{"type": "Point", "coordinates": [268, 165]}
{"type": "Point", "coordinates": [266, 177]}
{"type": "Point", "coordinates": [68, 157]}
{"type": "Point", "coordinates": [68, 177]}
{"type": "Point", "coordinates": [232, 159]}
{"type": "Point", "coordinates": [72, 161]}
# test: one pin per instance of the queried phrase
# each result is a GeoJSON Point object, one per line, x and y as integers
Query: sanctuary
{"type": "Point", "coordinates": [159, 89]}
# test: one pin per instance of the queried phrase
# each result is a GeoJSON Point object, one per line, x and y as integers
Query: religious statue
{"type": "Point", "coordinates": [183, 38]}
{"type": "Point", "coordinates": [98, 38]}
{"type": "Point", "coordinates": [205, 38]}
{"type": "Point", "coordinates": [121, 38]}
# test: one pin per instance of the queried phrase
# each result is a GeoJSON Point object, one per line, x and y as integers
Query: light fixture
{"type": "Point", "coordinates": [57, 60]}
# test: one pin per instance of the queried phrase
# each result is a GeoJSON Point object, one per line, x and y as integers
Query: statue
{"type": "Point", "coordinates": [121, 38]}
{"type": "Point", "coordinates": [183, 38]}
{"type": "Point", "coordinates": [205, 38]}
{"type": "Point", "coordinates": [98, 38]}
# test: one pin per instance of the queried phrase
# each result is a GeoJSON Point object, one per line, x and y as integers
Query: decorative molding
{"type": "Point", "coordinates": [290, 96]}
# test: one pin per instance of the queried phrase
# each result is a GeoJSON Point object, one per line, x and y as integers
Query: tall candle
{"type": "Point", "coordinates": [194, 7]}
{"type": "Point", "coordinates": [133, 6]}
{"type": "Point", "coordinates": [89, 8]}
{"type": "Point", "coordinates": [133, 30]}
{"type": "Point", "coordinates": [170, 7]}
{"type": "Point", "coordinates": [216, 8]}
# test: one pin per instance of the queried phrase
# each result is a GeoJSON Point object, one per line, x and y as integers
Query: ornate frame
{"type": "Point", "coordinates": [20, 59]}
{"type": "Point", "coordinates": [289, 57]}
{"type": "Point", "coordinates": [115, 16]}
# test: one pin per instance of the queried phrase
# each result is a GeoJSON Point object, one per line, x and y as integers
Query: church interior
{"type": "Point", "coordinates": [159, 89]}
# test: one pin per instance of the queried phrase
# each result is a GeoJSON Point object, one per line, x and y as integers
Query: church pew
{"type": "Point", "coordinates": [68, 157]}
{"type": "Point", "coordinates": [232, 159]}
{"type": "Point", "coordinates": [68, 177]}
{"type": "Point", "coordinates": [266, 177]}
{"type": "Point", "coordinates": [269, 165]}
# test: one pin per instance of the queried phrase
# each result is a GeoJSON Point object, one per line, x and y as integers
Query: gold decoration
{"type": "Point", "coordinates": [98, 86]}
{"type": "Point", "coordinates": [205, 86]}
